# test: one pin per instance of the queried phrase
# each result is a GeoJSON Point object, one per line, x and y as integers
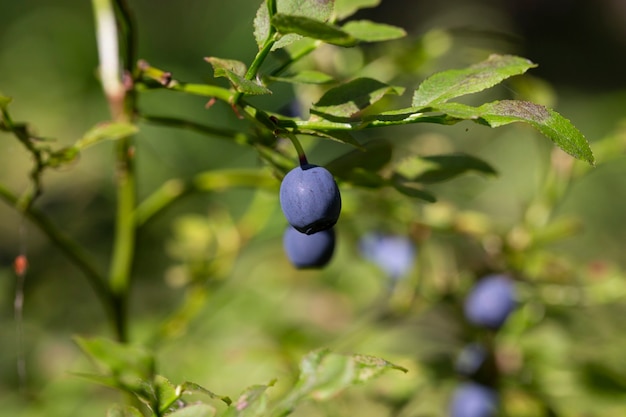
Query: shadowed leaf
{"type": "Point", "coordinates": [311, 28]}
{"type": "Point", "coordinates": [445, 167]}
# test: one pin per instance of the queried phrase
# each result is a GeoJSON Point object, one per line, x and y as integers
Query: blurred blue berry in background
{"type": "Point", "coordinates": [471, 358]}
{"type": "Point", "coordinates": [491, 301]}
{"type": "Point", "coordinates": [473, 400]}
{"type": "Point", "coordinates": [394, 254]}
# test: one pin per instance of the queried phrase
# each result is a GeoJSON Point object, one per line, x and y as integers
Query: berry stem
{"type": "Point", "coordinates": [299, 148]}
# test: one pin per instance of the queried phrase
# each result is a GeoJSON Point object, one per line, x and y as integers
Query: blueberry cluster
{"type": "Point", "coordinates": [311, 202]}
{"type": "Point", "coordinates": [487, 306]}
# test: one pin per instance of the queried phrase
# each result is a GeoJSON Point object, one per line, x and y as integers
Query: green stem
{"type": "Point", "coordinates": [112, 18]}
{"type": "Point", "coordinates": [299, 148]}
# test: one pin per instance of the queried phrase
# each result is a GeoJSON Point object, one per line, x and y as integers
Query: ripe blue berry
{"type": "Point", "coordinates": [393, 254]}
{"type": "Point", "coordinates": [490, 302]}
{"type": "Point", "coordinates": [309, 251]}
{"type": "Point", "coordinates": [473, 400]}
{"type": "Point", "coordinates": [310, 199]}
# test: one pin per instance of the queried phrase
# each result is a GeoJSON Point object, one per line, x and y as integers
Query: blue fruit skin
{"type": "Point", "coordinates": [310, 199]}
{"type": "Point", "coordinates": [473, 400]}
{"type": "Point", "coordinates": [394, 254]}
{"type": "Point", "coordinates": [491, 301]}
{"type": "Point", "coordinates": [309, 251]}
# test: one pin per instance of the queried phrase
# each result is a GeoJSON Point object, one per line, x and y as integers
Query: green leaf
{"type": "Point", "coordinates": [438, 168]}
{"type": "Point", "coordinates": [342, 102]}
{"type": "Point", "coordinates": [556, 127]}
{"type": "Point", "coordinates": [324, 374]}
{"type": "Point", "coordinates": [345, 8]}
{"type": "Point", "coordinates": [251, 403]}
{"type": "Point", "coordinates": [194, 410]}
{"type": "Point", "coordinates": [193, 387]}
{"type": "Point", "coordinates": [411, 189]}
{"type": "Point", "coordinates": [130, 366]}
{"type": "Point", "coordinates": [445, 85]}
{"type": "Point", "coordinates": [165, 393]}
{"type": "Point", "coordinates": [369, 367]}
{"type": "Point", "coordinates": [106, 131]}
{"type": "Point", "coordinates": [4, 102]}
{"type": "Point", "coordinates": [305, 77]}
{"type": "Point", "coordinates": [367, 31]}
{"type": "Point", "coordinates": [119, 410]}
{"type": "Point", "coordinates": [313, 9]}
{"type": "Point", "coordinates": [234, 71]}
{"type": "Point", "coordinates": [311, 28]}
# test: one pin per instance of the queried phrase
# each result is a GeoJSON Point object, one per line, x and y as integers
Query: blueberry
{"type": "Point", "coordinates": [473, 400]}
{"type": "Point", "coordinates": [394, 254]}
{"type": "Point", "coordinates": [490, 301]}
{"type": "Point", "coordinates": [309, 251]}
{"type": "Point", "coordinates": [310, 199]}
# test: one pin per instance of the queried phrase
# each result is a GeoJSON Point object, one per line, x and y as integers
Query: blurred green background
{"type": "Point", "coordinates": [247, 316]}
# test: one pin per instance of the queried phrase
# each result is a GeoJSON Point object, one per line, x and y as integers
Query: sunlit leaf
{"type": "Point", "coordinates": [445, 85]}
{"type": "Point", "coordinates": [311, 28]}
{"type": "Point", "coordinates": [556, 127]}
{"type": "Point", "coordinates": [348, 99]}
{"type": "Point", "coordinates": [367, 31]}
{"type": "Point", "coordinates": [106, 131]}
{"type": "Point", "coordinates": [345, 8]}
{"type": "Point", "coordinates": [234, 71]}
{"type": "Point", "coordinates": [320, 10]}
